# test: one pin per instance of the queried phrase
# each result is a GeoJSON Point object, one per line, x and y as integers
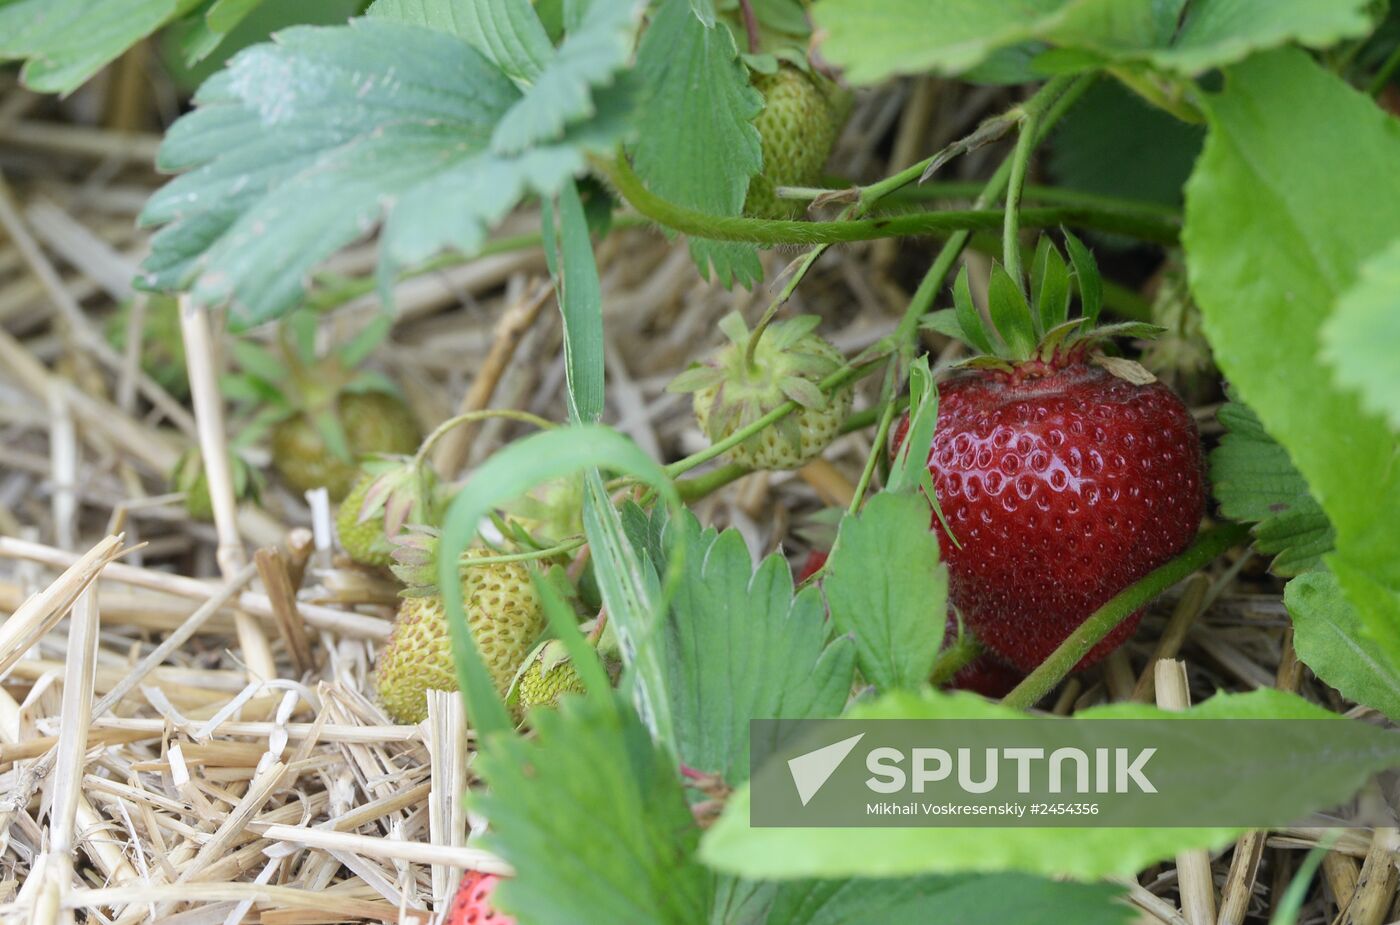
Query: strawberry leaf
{"type": "Point", "coordinates": [1279, 222]}
{"type": "Point", "coordinates": [508, 32]}
{"type": "Point", "coordinates": [696, 144]}
{"type": "Point", "coordinates": [886, 587]}
{"type": "Point", "coordinates": [1081, 853]}
{"type": "Point", "coordinates": [964, 899]}
{"type": "Point", "coordinates": [1256, 482]}
{"type": "Point", "coordinates": [778, 662]}
{"type": "Point", "coordinates": [1362, 338]}
{"type": "Point", "coordinates": [875, 39]}
{"type": "Point", "coordinates": [67, 41]}
{"type": "Point", "coordinates": [1329, 638]}
{"type": "Point", "coordinates": [591, 761]}
{"type": "Point", "coordinates": [300, 147]}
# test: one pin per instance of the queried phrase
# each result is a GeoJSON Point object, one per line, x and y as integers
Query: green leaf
{"type": "Point", "coordinates": [591, 816]}
{"type": "Point", "coordinates": [1086, 275]}
{"type": "Point", "coordinates": [740, 646]}
{"type": "Point", "coordinates": [1086, 853]}
{"type": "Point", "coordinates": [508, 474]}
{"type": "Point", "coordinates": [635, 604]}
{"type": "Point", "coordinates": [945, 322]}
{"type": "Point", "coordinates": [1279, 220]}
{"type": "Point", "coordinates": [1112, 143]}
{"type": "Point", "coordinates": [1006, 303]}
{"type": "Point", "coordinates": [1362, 338]}
{"type": "Point", "coordinates": [64, 42]}
{"type": "Point", "coordinates": [506, 31]}
{"type": "Point", "coordinates": [875, 39]}
{"type": "Point", "coordinates": [300, 147]}
{"type": "Point", "coordinates": [974, 330]}
{"type": "Point", "coordinates": [1220, 32]}
{"type": "Point", "coordinates": [909, 471]}
{"type": "Point", "coordinates": [1256, 482]}
{"type": "Point", "coordinates": [696, 144]}
{"type": "Point", "coordinates": [580, 297]}
{"type": "Point", "coordinates": [563, 92]}
{"type": "Point", "coordinates": [1050, 284]}
{"type": "Point", "coordinates": [1330, 640]}
{"type": "Point", "coordinates": [886, 587]}
{"type": "Point", "coordinates": [949, 900]}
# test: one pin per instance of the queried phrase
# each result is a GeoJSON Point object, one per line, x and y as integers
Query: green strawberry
{"type": "Point", "coordinates": [188, 477]}
{"type": "Point", "coordinates": [505, 617]}
{"type": "Point", "coordinates": [546, 675]}
{"type": "Point", "coordinates": [797, 129]}
{"type": "Point", "coordinates": [305, 455]}
{"type": "Point", "coordinates": [391, 491]}
{"type": "Point", "coordinates": [788, 362]}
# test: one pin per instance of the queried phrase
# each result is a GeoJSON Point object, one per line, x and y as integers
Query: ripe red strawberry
{"type": "Point", "coordinates": [1063, 482]}
{"type": "Point", "coordinates": [985, 674]}
{"type": "Point", "coordinates": [472, 904]}
{"type": "Point", "coordinates": [812, 564]}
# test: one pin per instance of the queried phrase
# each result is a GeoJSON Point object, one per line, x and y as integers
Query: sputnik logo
{"type": "Point", "coordinates": [812, 770]}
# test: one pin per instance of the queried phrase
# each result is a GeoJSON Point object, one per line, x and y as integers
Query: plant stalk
{"type": "Point", "coordinates": [1122, 605]}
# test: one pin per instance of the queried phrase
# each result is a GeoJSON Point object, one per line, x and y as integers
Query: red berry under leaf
{"type": "Point", "coordinates": [812, 564]}
{"type": "Point", "coordinates": [472, 904]}
{"type": "Point", "coordinates": [1063, 486]}
{"type": "Point", "coordinates": [986, 674]}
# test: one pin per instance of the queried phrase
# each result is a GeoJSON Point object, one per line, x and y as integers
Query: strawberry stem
{"type": "Point", "coordinates": [524, 416]}
{"type": "Point", "coordinates": [954, 658]}
{"type": "Point", "coordinates": [1122, 605]}
{"type": "Point", "coordinates": [1011, 226]}
{"type": "Point", "coordinates": [751, 26]}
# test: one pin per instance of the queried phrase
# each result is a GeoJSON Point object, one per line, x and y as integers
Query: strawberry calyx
{"type": "Point", "coordinates": [1021, 338]}
{"type": "Point", "coordinates": [782, 367]}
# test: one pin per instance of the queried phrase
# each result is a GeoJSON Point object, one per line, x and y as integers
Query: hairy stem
{"type": "Point", "coordinates": [954, 659]}
{"type": "Point", "coordinates": [937, 275]}
{"type": "Point", "coordinates": [522, 416]}
{"type": "Point", "coordinates": [1011, 225]}
{"type": "Point", "coordinates": [934, 223]}
{"type": "Point", "coordinates": [1101, 622]}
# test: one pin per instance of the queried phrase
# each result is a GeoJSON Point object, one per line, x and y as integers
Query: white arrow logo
{"type": "Point", "coordinates": [812, 770]}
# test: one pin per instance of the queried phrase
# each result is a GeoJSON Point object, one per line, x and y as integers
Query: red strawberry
{"type": "Point", "coordinates": [811, 565]}
{"type": "Point", "coordinates": [1063, 482]}
{"type": "Point", "coordinates": [472, 904]}
{"type": "Point", "coordinates": [985, 674]}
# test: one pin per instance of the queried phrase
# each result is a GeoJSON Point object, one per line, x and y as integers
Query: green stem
{"type": "Point", "coordinates": [1383, 76]}
{"type": "Point", "coordinates": [1122, 605]}
{"type": "Point", "coordinates": [935, 190]}
{"type": "Point", "coordinates": [954, 659]}
{"type": "Point", "coordinates": [510, 414]}
{"type": "Point", "coordinates": [864, 418]}
{"type": "Point", "coordinates": [887, 405]}
{"type": "Point", "coordinates": [798, 273]}
{"type": "Point", "coordinates": [1011, 225]}
{"type": "Point", "coordinates": [937, 274]}
{"type": "Point", "coordinates": [831, 382]}
{"type": "Point", "coordinates": [934, 223]}
{"type": "Point", "coordinates": [712, 481]}
{"type": "Point", "coordinates": [550, 552]}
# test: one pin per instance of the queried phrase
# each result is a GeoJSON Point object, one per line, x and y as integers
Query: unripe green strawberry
{"type": "Point", "coordinates": [188, 477]}
{"type": "Point", "coordinates": [373, 422]}
{"type": "Point", "coordinates": [391, 491]}
{"type": "Point", "coordinates": [788, 362]}
{"type": "Point", "coordinates": [504, 615]}
{"type": "Point", "coordinates": [797, 129]}
{"type": "Point", "coordinates": [546, 675]}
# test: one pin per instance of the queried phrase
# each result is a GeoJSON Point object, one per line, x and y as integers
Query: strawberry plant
{"type": "Point", "coordinates": [1127, 317]}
